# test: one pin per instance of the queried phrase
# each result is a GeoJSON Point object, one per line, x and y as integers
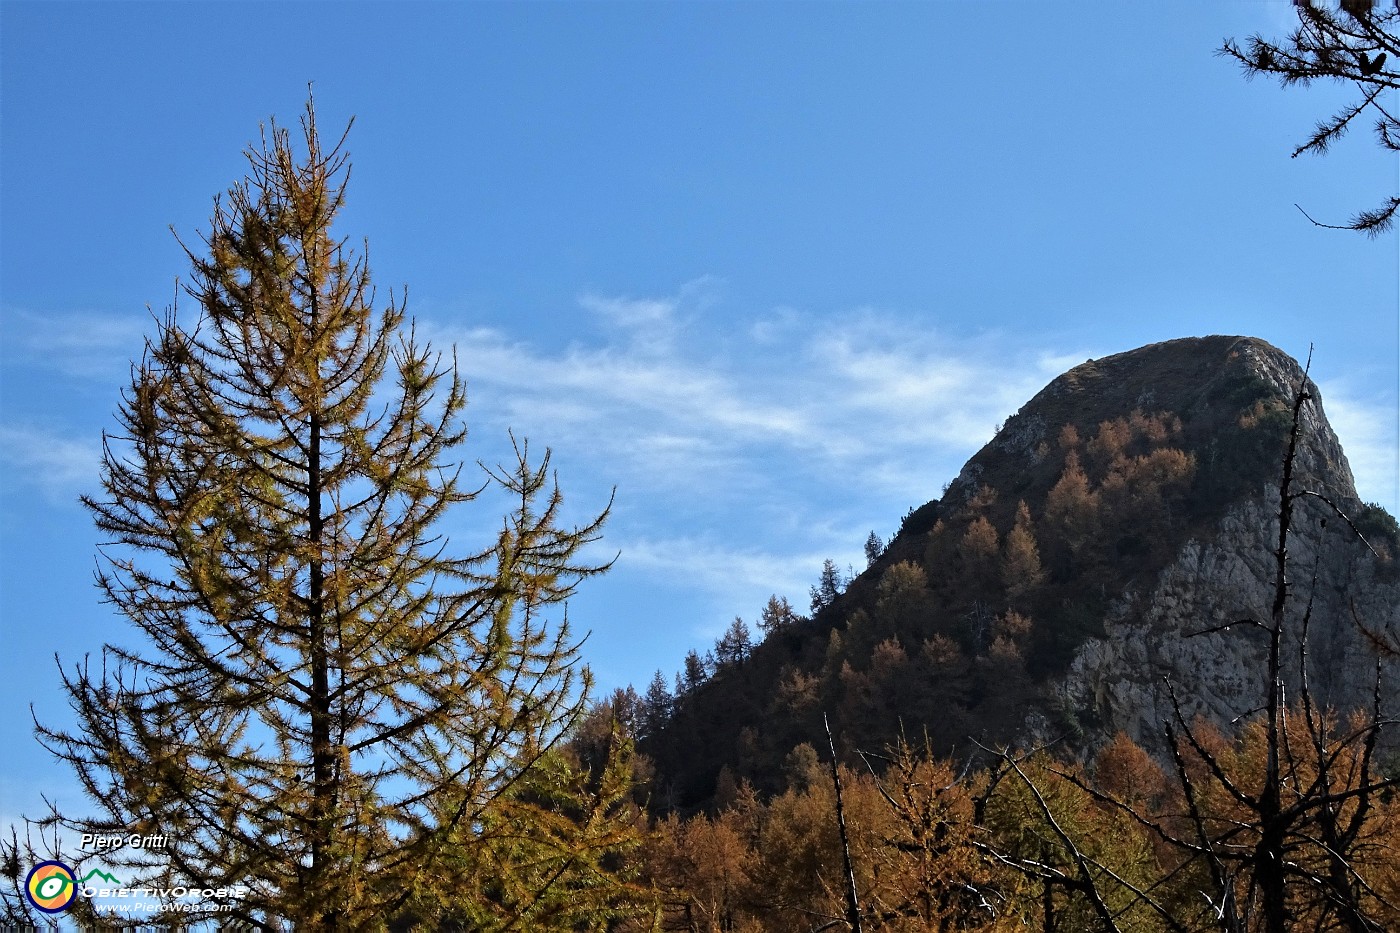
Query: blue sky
{"type": "Point", "coordinates": [773, 271]}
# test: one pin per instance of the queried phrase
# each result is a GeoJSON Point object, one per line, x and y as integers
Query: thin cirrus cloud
{"type": "Point", "coordinates": [57, 465]}
{"type": "Point", "coordinates": [682, 393]}
{"type": "Point", "coordinates": [79, 345]}
{"type": "Point", "coordinates": [669, 389]}
{"type": "Point", "coordinates": [745, 454]}
{"type": "Point", "coordinates": [861, 396]}
{"type": "Point", "coordinates": [60, 354]}
{"type": "Point", "coordinates": [712, 565]}
{"type": "Point", "coordinates": [1369, 436]}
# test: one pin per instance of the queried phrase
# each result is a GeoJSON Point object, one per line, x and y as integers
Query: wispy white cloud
{"type": "Point", "coordinates": [712, 565]}
{"type": "Point", "coordinates": [649, 314]}
{"type": "Point", "coordinates": [1368, 432]}
{"type": "Point", "coordinates": [739, 578]}
{"type": "Point", "coordinates": [57, 465]}
{"type": "Point", "coordinates": [84, 345]}
{"type": "Point", "coordinates": [744, 455]}
{"type": "Point", "coordinates": [861, 397]}
{"type": "Point", "coordinates": [652, 325]}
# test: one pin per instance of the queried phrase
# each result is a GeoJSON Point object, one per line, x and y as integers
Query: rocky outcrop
{"type": "Point", "coordinates": [1172, 634]}
{"type": "Point", "coordinates": [1164, 631]}
{"type": "Point", "coordinates": [1169, 634]}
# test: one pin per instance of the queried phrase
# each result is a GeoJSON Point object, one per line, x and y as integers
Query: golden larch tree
{"type": "Point", "coordinates": [327, 698]}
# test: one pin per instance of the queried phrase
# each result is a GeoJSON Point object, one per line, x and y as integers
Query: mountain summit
{"type": "Point", "coordinates": [1083, 564]}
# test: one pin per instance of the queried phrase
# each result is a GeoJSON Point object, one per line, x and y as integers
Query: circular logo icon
{"type": "Point", "coordinates": [51, 887]}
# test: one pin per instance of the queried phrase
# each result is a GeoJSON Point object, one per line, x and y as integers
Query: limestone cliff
{"type": "Point", "coordinates": [1166, 629]}
{"type": "Point", "coordinates": [1225, 576]}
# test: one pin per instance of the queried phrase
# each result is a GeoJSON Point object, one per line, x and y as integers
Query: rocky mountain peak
{"type": "Point", "coordinates": [1205, 380]}
{"type": "Point", "coordinates": [1082, 566]}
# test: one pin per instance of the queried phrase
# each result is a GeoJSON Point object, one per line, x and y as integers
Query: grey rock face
{"type": "Point", "coordinates": [1166, 633]}
{"type": "Point", "coordinates": [1123, 681]}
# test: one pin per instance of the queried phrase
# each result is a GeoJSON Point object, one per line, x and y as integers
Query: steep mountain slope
{"type": "Point", "coordinates": [1063, 579]}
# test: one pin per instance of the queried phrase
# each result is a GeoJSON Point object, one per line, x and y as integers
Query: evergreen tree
{"type": "Point", "coordinates": [694, 672]}
{"type": "Point", "coordinates": [830, 586]}
{"type": "Point", "coordinates": [1071, 505]}
{"type": "Point", "coordinates": [327, 699]}
{"type": "Point", "coordinates": [734, 645]}
{"type": "Point", "coordinates": [777, 614]}
{"type": "Point", "coordinates": [555, 855]}
{"type": "Point", "coordinates": [656, 706]}
{"type": "Point", "coordinates": [1020, 568]}
{"type": "Point", "coordinates": [874, 547]}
